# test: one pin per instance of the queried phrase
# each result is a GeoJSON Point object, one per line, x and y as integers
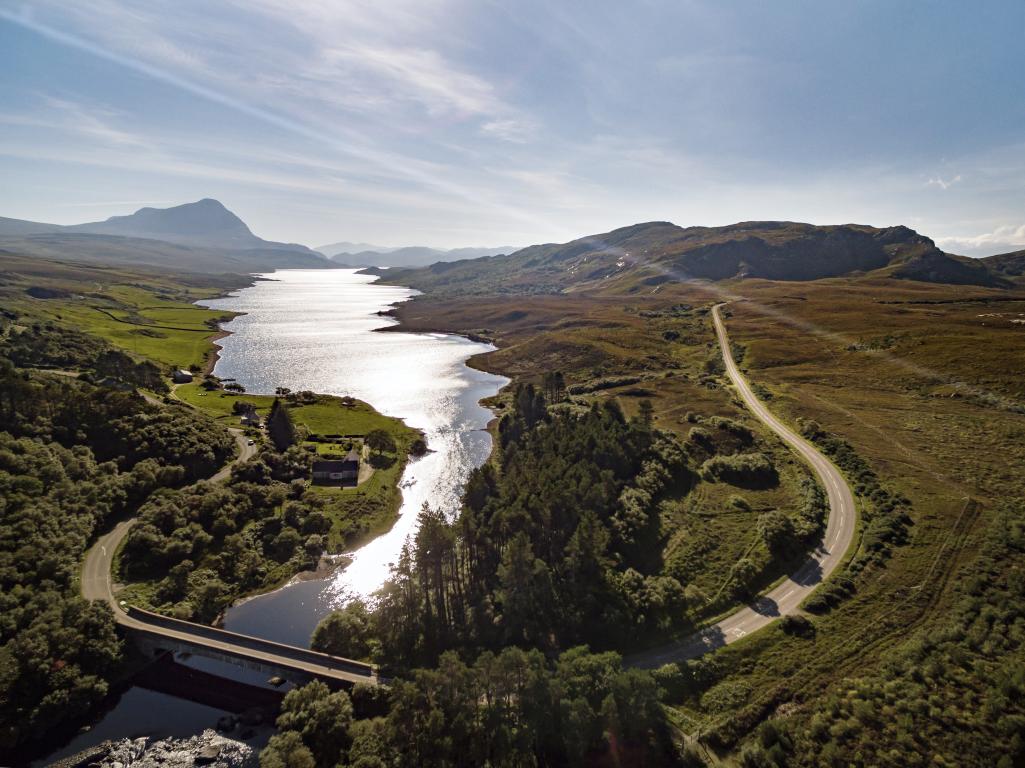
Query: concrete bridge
{"type": "Point", "coordinates": [155, 632]}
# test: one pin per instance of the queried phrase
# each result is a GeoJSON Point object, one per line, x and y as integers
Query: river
{"type": "Point", "coordinates": [317, 330]}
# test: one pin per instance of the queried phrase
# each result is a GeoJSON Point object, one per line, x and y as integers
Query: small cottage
{"type": "Point", "coordinates": [337, 471]}
{"type": "Point", "coordinates": [181, 376]}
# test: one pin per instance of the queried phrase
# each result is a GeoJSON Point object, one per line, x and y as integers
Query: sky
{"type": "Point", "coordinates": [505, 123]}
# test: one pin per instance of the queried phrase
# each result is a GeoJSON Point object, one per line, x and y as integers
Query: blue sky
{"type": "Point", "coordinates": [454, 123]}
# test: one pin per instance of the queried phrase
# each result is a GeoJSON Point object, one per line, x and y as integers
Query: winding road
{"type": "Point", "coordinates": [827, 556]}
{"type": "Point", "coordinates": [99, 560]}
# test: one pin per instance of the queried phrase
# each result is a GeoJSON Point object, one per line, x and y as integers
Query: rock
{"type": "Point", "coordinates": [208, 754]}
{"type": "Point", "coordinates": [209, 748]}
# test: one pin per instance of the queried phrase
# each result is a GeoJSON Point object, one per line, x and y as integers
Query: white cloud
{"type": "Point", "coordinates": [414, 75]}
{"type": "Point", "coordinates": [944, 184]}
{"type": "Point", "coordinates": [329, 61]}
{"type": "Point", "coordinates": [517, 131]}
{"type": "Point", "coordinates": [1008, 237]}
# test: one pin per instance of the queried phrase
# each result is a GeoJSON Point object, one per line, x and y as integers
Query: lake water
{"type": "Point", "coordinates": [316, 330]}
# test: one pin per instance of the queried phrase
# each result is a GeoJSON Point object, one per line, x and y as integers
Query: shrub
{"type": "Point", "coordinates": [754, 470]}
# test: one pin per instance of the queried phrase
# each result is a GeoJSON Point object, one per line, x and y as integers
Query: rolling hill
{"type": "Point", "coordinates": [644, 256]}
{"type": "Point", "coordinates": [407, 257]}
{"type": "Point", "coordinates": [1007, 264]}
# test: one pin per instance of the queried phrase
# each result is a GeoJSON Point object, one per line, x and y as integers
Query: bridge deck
{"type": "Point", "coordinates": [245, 648]}
{"type": "Point", "coordinates": [201, 639]}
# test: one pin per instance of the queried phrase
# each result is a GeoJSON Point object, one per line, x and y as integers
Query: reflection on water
{"type": "Point", "coordinates": [143, 713]}
{"type": "Point", "coordinates": [314, 329]}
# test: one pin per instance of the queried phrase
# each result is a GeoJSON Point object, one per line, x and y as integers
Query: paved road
{"type": "Point", "coordinates": [99, 560]}
{"type": "Point", "coordinates": [785, 598]}
{"type": "Point", "coordinates": [245, 453]}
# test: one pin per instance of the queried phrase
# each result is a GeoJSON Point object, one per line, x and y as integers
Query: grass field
{"type": "Point", "coordinates": [330, 415]}
{"type": "Point", "coordinates": [150, 315]}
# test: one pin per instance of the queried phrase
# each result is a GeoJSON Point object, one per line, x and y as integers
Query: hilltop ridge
{"type": "Point", "coordinates": [646, 255]}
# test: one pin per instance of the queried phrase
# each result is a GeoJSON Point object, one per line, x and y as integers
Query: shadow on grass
{"type": "Point", "coordinates": [381, 460]}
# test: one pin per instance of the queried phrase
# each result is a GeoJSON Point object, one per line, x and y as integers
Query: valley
{"type": "Point", "coordinates": [906, 390]}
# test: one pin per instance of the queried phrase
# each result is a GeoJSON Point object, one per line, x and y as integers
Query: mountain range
{"type": "Point", "coordinates": [196, 237]}
{"type": "Point", "coordinates": [365, 255]}
{"type": "Point", "coordinates": [204, 236]}
{"type": "Point", "coordinates": [643, 256]}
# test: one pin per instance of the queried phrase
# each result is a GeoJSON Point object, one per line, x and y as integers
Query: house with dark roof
{"type": "Point", "coordinates": [337, 471]}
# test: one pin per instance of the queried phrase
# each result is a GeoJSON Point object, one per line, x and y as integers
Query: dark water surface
{"type": "Point", "coordinates": [315, 329]}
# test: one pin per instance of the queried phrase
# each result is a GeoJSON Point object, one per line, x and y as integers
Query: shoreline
{"type": "Point", "coordinates": [342, 560]}
{"type": "Point", "coordinates": [214, 355]}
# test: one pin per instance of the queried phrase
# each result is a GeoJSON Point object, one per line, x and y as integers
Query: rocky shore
{"type": "Point", "coordinates": [209, 748]}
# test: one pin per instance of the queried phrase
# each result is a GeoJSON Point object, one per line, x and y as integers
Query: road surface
{"type": "Point", "coordinates": [101, 557]}
{"type": "Point", "coordinates": [96, 584]}
{"type": "Point", "coordinates": [245, 453]}
{"type": "Point", "coordinates": [826, 557]}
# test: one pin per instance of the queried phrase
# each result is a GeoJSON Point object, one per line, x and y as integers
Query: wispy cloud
{"type": "Point", "coordinates": [332, 59]}
{"type": "Point", "coordinates": [439, 85]}
{"type": "Point", "coordinates": [543, 121]}
{"type": "Point", "coordinates": [944, 184]}
{"type": "Point", "coordinates": [515, 130]}
{"type": "Point", "coordinates": [112, 203]}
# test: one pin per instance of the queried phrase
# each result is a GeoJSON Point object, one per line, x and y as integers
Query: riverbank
{"type": "Point", "coordinates": [319, 332]}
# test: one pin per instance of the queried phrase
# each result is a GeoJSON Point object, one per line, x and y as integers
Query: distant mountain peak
{"type": "Point", "coordinates": [366, 255]}
{"type": "Point", "coordinates": [203, 222]}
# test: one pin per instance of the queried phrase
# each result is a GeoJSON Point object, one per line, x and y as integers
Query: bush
{"type": "Point", "coordinates": [345, 633]}
{"type": "Point", "coordinates": [798, 625]}
{"type": "Point", "coordinates": [749, 470]}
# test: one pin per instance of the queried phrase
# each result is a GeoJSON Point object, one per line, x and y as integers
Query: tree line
{"type": "Point", "coordinates": [512, 708]}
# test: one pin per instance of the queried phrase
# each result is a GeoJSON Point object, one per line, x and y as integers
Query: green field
{"type": "Point", "coordinates": [149, 315]}
{"type": "Point", "coordinates": [330, 415]}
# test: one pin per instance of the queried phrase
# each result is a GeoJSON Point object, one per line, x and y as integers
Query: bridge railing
{"type": "Point", "coordinates": [201, 631]}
